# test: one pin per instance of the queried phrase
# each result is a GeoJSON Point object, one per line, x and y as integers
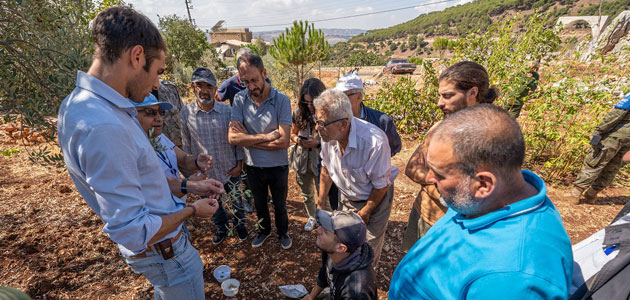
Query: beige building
{"type": "Point", "coordinates": [218, 34]}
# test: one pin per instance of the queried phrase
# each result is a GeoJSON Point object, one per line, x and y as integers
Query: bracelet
{"type": "Point", "coordinates": [194, 209]}
{"type": "Point", "coordinates": [196, 164]}
{"type": "Point", "coordinates": [183, 188]}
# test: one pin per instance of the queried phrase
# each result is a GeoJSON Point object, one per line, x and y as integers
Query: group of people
{"type": "Point", "coordinates": [480, 227]}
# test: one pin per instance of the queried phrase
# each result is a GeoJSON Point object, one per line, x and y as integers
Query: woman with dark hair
{"type": "Point", "coordinates": [461, 85]}
{"type": "Point", "coordinates": [304, 157]}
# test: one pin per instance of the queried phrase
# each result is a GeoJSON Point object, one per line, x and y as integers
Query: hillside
{"type": "Point", "coordinates": [333, 35]}
{"type": "Point", "coordinates": [479, 14]}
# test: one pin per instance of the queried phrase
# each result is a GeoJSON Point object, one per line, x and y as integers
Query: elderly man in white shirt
{"type": "Point", "coordinates": [356, 157]}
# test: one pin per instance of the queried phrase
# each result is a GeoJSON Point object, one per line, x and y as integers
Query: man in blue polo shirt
{"type": "Point", "coordinates": [501, 237]}
{"type": "Point", "coordinates": [261, 123]}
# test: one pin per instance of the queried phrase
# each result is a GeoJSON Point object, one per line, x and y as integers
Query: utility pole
{"type": "Point", "coordinates": [188, 8]}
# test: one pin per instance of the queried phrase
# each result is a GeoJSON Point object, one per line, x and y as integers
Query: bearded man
{"type": "Point", "coordinates": [501, 237]}
{"type": "Point", "coordinates": [205, 124]}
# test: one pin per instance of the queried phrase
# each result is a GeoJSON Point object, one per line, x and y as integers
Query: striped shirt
{"type": "Point", "coordinates": [207, 132]}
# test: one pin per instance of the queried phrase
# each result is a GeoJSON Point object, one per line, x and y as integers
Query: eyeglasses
{"type": "Point", "coordinates": [150, 112]}
{"type": "Point", "coordinates": [323, 124]}
{"type": "Point", "coordinates": [307, 102]}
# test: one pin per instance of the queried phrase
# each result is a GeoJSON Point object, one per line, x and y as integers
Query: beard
{"type": "Point", "coordinates": [457, 106]}
{"type": "Point", "coordinates": [460, 199]}
{"type": "Point", "coordinates": [205, 98]}
{"type": "Point", "coordinates": [135, 89]}
{"type": "Point", "coordinates": [324, 248]}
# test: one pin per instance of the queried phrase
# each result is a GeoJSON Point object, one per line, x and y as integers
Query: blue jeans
{"type": "Point", "coordinates": [180, 277]}
{"type": "Point", "coordinates": [220, 217]}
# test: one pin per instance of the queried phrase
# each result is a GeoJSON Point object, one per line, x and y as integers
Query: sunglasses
{"type": "Point", "coordinates": [323, 124]}
{"type": "Point", "coordinates": [150, 112]}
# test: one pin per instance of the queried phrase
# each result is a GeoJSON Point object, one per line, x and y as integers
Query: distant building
{"type": "Point", "coordinates": [227, 49]}
{"type": "Point", "coordinates": [218, 34]}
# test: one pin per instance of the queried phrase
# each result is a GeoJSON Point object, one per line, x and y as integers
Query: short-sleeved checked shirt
{"type": "Point", "coordinates": [207, 132]}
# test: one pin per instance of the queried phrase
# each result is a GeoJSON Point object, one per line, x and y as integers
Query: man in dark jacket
{"type": "Point", "coordinates": [346, 257]}
{"type": "Point", "coordinates": [352, 86]}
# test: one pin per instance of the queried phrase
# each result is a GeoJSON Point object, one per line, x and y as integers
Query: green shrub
{"type": "Point", "coordinates": [413, 111]}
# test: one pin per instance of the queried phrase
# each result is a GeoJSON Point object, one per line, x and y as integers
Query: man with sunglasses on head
{"type": "Point", "coordinates": [261, 123]}
{"type": "Point", "coordinates": [113, 164]}
{"type": "Point", "coordinates": [351, 85]}
{"type": "Point", "coordinates": [346, 258]}
{"type": "Point", "coordinates": [356, 157]}
{"type": "Point", "coordinates": [205, 124]}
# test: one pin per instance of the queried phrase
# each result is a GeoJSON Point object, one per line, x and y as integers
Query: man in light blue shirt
{"type": "Point", "coordinates": [501, 237]}
{"type": "Point", "coordinates": [113, 164]}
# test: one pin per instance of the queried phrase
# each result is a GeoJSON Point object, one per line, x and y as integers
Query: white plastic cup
{"type": "Point", "coordinates": [221, 273]}
{"type": "Point", "coordinates": [230, 287]}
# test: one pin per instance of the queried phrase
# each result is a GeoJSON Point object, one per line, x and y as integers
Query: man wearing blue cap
{"type": "Point", "coordinates": [115, 168]}
{"type": "Point", "coordinates": [346, 257]}
{"type": "Point", "coordinates": [205, 124]}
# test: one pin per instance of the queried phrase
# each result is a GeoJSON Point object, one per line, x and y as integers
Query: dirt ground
{"type": "Point", "coordinates": [52, 245]}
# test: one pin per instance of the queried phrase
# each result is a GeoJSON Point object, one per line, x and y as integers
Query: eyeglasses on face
{"type": "Point", "coordinates": [151, 112]}
{"type": "Point", "coordinates": [323, 124]}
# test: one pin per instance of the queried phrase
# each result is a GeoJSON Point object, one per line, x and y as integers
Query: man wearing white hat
{"type": "Point", "coordinates": [351, 85]}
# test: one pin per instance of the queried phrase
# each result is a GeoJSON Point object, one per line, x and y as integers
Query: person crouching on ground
{"type": "Point", "coordinates": [346, 257]}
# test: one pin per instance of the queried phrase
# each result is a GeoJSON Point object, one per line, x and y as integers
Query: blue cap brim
{"type": "Point", "coordinates": [324, 219]}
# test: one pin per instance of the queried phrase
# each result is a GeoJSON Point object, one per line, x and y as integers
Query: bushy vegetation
{"type": "Point", "coordinates": [559, 119]}
{"type": "Point", "coordinates": [42, 45]}
{"type": "Point", "coordinates": [609, 8]}
{"type": "Point", "coordinates": [477, 16]}
{"type": "Point", "coordinates": [351, 55]}
{"type": "Point", "coordinates": [413, 111]}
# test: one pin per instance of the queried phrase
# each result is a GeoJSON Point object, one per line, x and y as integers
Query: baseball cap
{"type": "Point", "coordinates": [151, 100]}
{"type": "Point", "coordinates": [346, 225]}
{"type": "Point", "coordinates": [202, 74]}
{"type": "Point", "coordinates": [350, 81]}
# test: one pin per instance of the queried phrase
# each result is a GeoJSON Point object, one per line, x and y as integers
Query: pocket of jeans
{"type": "Point", "coordinates": [152, 271]}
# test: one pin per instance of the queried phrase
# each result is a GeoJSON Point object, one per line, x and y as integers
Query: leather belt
{"type": "Point", "coordinates": [151, 248]}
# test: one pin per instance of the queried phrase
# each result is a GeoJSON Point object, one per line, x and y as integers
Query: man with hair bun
{"type": "Point", "coordinates": [501, 238]}
{"type": "Point", "coordinates": [461, 85]}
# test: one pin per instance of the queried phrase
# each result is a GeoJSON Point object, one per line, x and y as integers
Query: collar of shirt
{"type": "Point", "coordinates": [363, 115]}
{"type": "Point", "coordinates": [352, 136]}
{"type": "Point", "coordinates": [518, 208]}
{"type": "Point", "coordinates": [90, 83]}
{"type": "Point", "coordinates": [272, 96]}
{"type": "Point", "coordinates": [197, 109]}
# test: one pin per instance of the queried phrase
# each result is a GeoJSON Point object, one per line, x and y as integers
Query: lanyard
{"type": "Point", "coordinates": [165, 160]}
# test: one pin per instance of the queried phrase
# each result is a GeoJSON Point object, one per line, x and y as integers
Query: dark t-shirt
{"type": "Point", "coordinates": [230, 87]}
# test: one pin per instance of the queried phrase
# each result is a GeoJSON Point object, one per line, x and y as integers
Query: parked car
{"type": "Point", "coordinates": [399, 66]}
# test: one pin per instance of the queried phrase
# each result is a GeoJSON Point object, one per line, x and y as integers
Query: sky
{"type": "Point", "coordinates": [255, 14]}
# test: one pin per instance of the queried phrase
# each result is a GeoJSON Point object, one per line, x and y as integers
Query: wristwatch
{"type": "Point", "coordinates": [183, 188]}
